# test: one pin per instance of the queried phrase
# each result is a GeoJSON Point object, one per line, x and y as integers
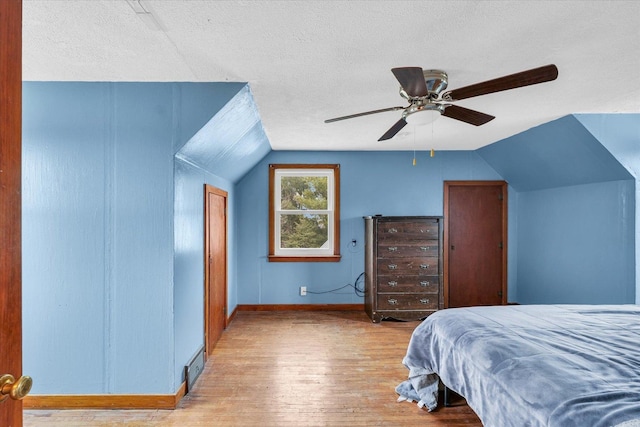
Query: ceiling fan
{"type": "Point", "coordinates": [424, 91]}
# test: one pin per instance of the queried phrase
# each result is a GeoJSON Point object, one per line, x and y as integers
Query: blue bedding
{"type": "Point", "coordinates": [531, 365]}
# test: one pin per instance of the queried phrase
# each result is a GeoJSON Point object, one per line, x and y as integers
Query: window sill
{"type": "Point", "coordinates": [280, 258]}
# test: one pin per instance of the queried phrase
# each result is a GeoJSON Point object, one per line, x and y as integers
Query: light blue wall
{"type": "Point", "coordinates": [371, 183]}
{"type": "Point", "coordinates": [223, 150]}
{"type": "Point", "coordinates": [140, 256]}
{"type": "Point", "coordinates": [575, 244]}
{"type": "Point", "coordinates": [189, 256]}
{"type": "Point", "coordinates": [65, 229]}
{"type": "Point", "coordinates": [575, 207]}
{"type": "Point", "coordinates": [98, 237]}
{"type": "Point", "coordinates": [102, 314]}
{"type": "Point", "coordinates": [620, 134]}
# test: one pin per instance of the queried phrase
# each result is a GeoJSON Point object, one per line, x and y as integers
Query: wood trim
{"type": "Point", "coordinates": [475, 183]}
{"type": "Point", "coordinates": [300, 307]}
{"type": "Point", "coordinates": [445, 246]}
{"type": "Point", "coordinates": [209, 189]}
{"type": "Point", "coordinates": [505, 241]}
{"type": "Point", "coordinates": [232, 316]}
{"type": "Point", "coordinates": [331, 258]}
{"type": "Point", "coordinates": [336, 211]}
{"type": "Point", "coordinates": [180, 393]}
{"type": "Point", "coordinates": [215, 190]}
{"type": "Point", "coordinates": [272, 257]}
{"type": "Point", "coordinates": [505, 232]}
{"type": "Point", "coordinates": [10, 201]}
{"type": "Point", "coordinates": [272, 216]}
{"type": "Point", "coordinates": [105, 401]}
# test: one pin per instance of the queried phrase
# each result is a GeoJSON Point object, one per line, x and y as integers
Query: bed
{"type": "Point", "coordinates": [531, 365]}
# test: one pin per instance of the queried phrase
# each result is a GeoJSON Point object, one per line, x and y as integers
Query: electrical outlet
{"type": "Point", "coordinates": [303, 290]}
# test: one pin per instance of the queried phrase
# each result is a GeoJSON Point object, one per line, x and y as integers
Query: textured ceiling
{"type": "Point", "coordinates": [307, 61]}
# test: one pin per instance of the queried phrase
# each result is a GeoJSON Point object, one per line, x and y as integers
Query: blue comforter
{"type": "Point", "coordinates": [531, 365]}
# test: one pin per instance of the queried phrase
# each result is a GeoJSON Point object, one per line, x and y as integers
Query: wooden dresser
{"type": "Point", "coordinates": [403, 267]}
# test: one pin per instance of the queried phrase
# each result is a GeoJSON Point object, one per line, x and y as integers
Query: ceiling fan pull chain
{"type": "Point", "coordinates": [414, 145]}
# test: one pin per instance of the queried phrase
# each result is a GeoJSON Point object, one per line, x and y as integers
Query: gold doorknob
{"type": "Point", "coordinates": [16, 390]}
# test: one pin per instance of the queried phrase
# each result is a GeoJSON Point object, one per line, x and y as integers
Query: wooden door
{"type": "Point", "coordinates": [10, 203]}
{"type": "Point", "coordinates": [215, 265]}
{"type": "Point", "coordinates": [475, 243]}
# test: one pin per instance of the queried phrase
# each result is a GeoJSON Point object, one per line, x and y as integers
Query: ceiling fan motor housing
{"type": "Point", "coordinates": [436, 80]}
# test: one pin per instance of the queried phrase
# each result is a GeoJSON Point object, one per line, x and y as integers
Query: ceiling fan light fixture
{"type": "Point", "coordinates": [423, 117]}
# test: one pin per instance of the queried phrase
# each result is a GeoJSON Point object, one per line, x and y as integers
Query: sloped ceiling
{"type": "Point", "coordinates": [310, 60]}
{"type": "Point", "coordinates": [557, 154]}
{"type": "Point", "coordinates": [197, 103]}
{"type": "Point", "coordinates": [620, 134]}
{"type": "Point", "coordinates": [231, 142]}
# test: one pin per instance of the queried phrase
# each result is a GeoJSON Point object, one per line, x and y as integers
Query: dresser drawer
{"type": "Point", "coordinates": [410, 230]}
{"type": "Point", "coordinates": [419, 266]}
{"type": "Point", "coordinates": [410, 284]}
{"type": "Point", "coordinates": [390, 248]}
{"type": "Point", "coordinates": [407, 302]}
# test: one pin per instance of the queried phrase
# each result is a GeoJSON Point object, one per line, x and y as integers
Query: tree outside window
{"type": "Point", "coordinates": [304, 212]}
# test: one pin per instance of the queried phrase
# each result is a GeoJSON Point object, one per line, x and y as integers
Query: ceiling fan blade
{"type": "Point", "coordinates": [366, 113]}
{"type": "Point", "coordinates": [412, 80]}
{"type": "Point", "coordinates": [393, 130]}
{"type": "Point", "coordinates": [466, 115]}
{"type": "Point", "coordinates": [512, 81]}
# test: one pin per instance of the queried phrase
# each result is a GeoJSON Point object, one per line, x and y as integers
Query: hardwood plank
{"type": "Point", "coordinates": [290, 368]}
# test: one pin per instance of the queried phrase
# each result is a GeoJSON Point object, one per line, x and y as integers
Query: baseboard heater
{"type": "Point", "coordinates": [194, 368]}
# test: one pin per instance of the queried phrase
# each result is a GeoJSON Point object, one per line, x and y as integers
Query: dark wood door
{"type": "Point", "coordinates": [215, 265]}
{"type": "Point", "coordinates": [10, 203]}
{"type": "Point", "coordinates": [475, 240]}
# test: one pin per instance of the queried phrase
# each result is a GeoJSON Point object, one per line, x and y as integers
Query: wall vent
{"type": "Point", "coordinates": [194, 368]}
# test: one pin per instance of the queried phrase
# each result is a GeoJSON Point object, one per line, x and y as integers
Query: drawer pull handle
{"type": "Point", "coordinates": [393, 230]}
{"type": "Point", "coordinates": [392, 266]}
{"type": "Point", "coordinates": [424, 283]}
{"type": "Point", "coordinates": [392, 301]}
{"type": "Point", "coordinates": [424, 266]}
{"type": "Point", "coordinates": [393, 249]}
{"type": "Point", "coordinates": [392, 283]}
{"type": "Point", "coordinates": [424, 301]}
{"type": "Point", "coordinates": [424, 248]}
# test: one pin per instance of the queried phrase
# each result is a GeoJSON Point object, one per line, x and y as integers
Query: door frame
{"type": "Point", "coordinates": [11, 202]}
{"type": "Point", "coordinates": [209, 189]}
{"type": "Point", "coordinates": [504, 231]}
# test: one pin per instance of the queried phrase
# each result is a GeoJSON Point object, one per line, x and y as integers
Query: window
{"type": "Point", "coordinates": [304, 213]}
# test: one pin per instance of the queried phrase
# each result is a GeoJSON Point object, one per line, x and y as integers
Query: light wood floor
{"type": "Point", "coordinates": [290, 369]}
